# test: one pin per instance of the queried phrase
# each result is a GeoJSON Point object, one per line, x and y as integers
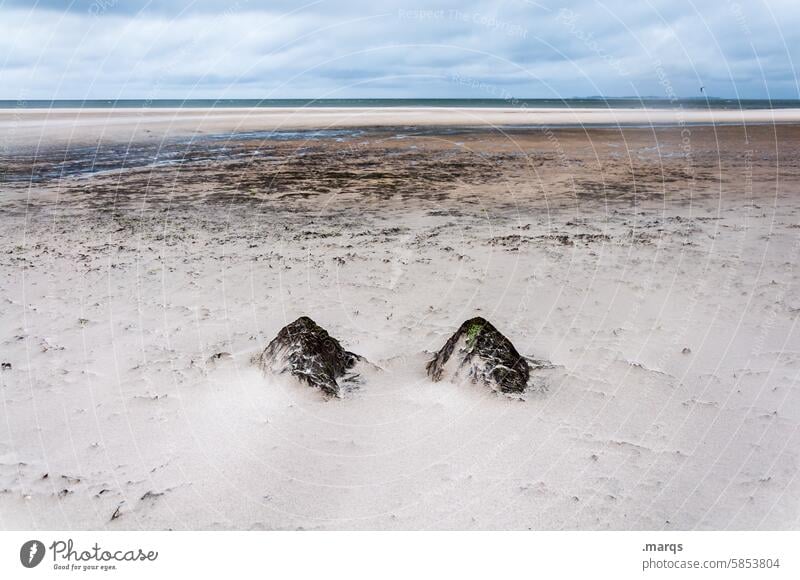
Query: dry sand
{"type": "Point", "coordinates": [657, 271]}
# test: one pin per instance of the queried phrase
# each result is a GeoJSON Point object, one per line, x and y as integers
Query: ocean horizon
{"type": "Point", "coordinates": [567, 103]}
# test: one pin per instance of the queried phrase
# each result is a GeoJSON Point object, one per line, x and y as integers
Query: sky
{"type": "Point", "coordinates": [111, 49]}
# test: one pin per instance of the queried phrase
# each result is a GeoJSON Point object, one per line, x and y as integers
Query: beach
{"type": "Point", "coordinates": [649, 256]}
{"type": "Point", "coordinates": [31, 127]}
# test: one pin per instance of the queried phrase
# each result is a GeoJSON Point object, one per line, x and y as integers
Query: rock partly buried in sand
{"type": "Point", "coordinates": [308, 352]}
{"type": "Point", "coordinates": [485, 354]}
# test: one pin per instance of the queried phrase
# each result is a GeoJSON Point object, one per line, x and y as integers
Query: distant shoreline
{"type": "Point", "coordinates": [42, 127]}
{"type": "Point", "coordinates": [593, 102]}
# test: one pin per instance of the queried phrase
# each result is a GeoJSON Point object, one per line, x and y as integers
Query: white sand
{"type": "Point", "coordinates": [632, 434]}
{"type": "Point", "coordinates": [108, 325]}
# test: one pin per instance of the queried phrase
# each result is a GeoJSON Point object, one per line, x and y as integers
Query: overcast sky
{"type": "Point", "coordinates": [370, 49]}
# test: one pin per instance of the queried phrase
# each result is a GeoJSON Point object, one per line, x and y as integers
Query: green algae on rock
{"type": "Point", "coordinates": [486, 355]}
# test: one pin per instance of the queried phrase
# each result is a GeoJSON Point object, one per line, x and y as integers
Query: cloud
{"type": "Point", "coordinates": [281, 49]}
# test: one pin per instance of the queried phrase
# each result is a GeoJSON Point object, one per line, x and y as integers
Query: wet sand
{"type": "Point", "coordinates": [655, 268]}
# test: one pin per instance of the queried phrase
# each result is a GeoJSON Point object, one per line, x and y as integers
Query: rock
{"type": "Point", "coordinates": [309, 353]}
{"type": "Point", "coordinates": [6, 366]}
{"type": "Point", "coordinates": [487, 355]}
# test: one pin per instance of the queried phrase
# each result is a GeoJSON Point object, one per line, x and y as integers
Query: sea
{"type": "Point", "coordinates": [566, 103]}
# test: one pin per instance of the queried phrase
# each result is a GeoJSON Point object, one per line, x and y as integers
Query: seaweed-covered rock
{"type": "Point", "coordinates": [485, 354]}
{"type": "Point", "coordinates": [308, 352]}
